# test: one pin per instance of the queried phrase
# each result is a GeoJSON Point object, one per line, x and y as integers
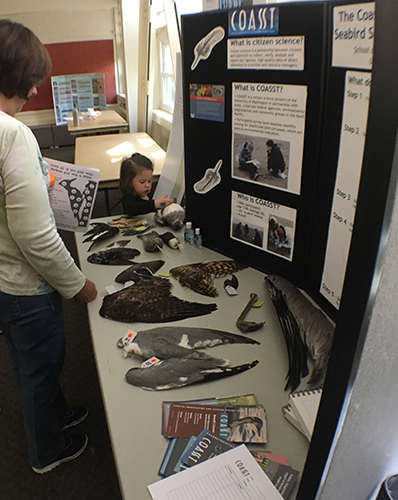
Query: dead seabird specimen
{"type": "Point", "coordinates": [199, 277]}
{"type": "Point", "coordinates": [306, 329]}
{"type": "Point", "coordinates": [150, 301]}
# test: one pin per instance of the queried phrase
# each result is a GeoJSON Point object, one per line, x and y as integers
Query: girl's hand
{"type": "Point", "coordinates": [163, 201]}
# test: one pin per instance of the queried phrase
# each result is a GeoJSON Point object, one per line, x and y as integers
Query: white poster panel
{"type": "Point", "coordinates": [73, 195]}
{"type": "Point", "coordinates": [353, 35]}
{"type": "Point", "coordinates": [352, 144]}
{"type": "Point", "coordinates": [276, 52]}
{"type": "Point", "coordinates": [81, 91]}
{"type": "Point", "coordinates": [263, 224]}
{"type": "Point", "coordinates": [273, 113]}
{"type": "Point", "coordinates": [172, 178]}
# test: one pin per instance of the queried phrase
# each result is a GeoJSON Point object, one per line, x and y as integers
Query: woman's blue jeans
{"type": "Point", "coordinates": [34, 329]}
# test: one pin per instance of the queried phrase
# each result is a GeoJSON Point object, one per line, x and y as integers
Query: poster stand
{"type": "Point", "coordinates": [338, 133]}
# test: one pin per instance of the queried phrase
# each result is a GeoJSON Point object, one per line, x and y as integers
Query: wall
{"type": "Point", "coordinates": [56, 23]}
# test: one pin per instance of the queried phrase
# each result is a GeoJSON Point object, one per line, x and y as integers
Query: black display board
{"type": "Point", "coordinates": [208, 141]}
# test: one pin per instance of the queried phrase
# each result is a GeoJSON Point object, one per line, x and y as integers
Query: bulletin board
{"type": "Point", "coordinates": [73, 58]}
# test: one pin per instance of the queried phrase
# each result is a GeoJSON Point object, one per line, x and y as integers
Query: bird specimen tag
{"type": "Point", "coordinates": [110, 289]}
{"type": "Point", "coordinates": [231, 290]}
{"type": "Point", "coordinates": [128, 338]}
{"type": "Point", "coordinates": [149, 362]}
{"type": "Point", "coordinates": [129, 283]}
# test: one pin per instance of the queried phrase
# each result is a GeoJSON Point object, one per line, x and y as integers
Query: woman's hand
{"type": "Point", "coordinates": [87, 293]}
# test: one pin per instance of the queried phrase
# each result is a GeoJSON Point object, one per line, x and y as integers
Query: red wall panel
{"type": "Point", "coordinates": [73, 58]}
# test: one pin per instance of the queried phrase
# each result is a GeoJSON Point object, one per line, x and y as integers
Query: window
{"type": "Point", "coordinates": [167, 77]}
{"type": "Point", "coordinates": [163, 11]}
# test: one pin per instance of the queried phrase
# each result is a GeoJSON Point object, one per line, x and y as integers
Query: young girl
{"type": "Point", "coordinates": [136, 183]}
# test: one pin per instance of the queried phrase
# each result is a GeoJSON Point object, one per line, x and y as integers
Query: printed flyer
{"type": "Point", "coordinates": [207, 101]}
{"type": "Point", "coordinates": [73, 195]}
{"type": "Point", "coordinates": [263, 224]}
{"type": "Point", "coordinates": [268, 134]}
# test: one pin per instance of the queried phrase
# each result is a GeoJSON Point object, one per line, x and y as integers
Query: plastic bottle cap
{"type": "Point", "coordinates": [197, 230]}
{"type": "Point", "coordinates": [188, 225]}
{"type": "Point", "coordinates": [52, 179]}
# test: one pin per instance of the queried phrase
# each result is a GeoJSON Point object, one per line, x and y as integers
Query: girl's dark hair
{"type": "Point", "coordinates": [24, 61]}
{"type": "Point", "coordinates": [129, 168]}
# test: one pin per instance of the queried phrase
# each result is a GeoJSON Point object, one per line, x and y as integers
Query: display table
{"type": "Point", "coordinates": [108, 121]}
{"type": "Point", "coordinates": [134, 415]}
{"type": "Point", "coordinates": [106, 152]}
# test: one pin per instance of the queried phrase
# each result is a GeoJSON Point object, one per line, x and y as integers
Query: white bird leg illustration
{"type": "Point", "coordinates": [211, 178]}
{"type": "Point", "coordinates": [204, 47]}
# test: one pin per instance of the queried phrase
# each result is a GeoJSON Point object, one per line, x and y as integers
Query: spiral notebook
{"type": "Point", "coordinates": [304, 405]}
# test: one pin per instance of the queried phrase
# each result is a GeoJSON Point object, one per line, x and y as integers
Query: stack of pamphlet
{"type": "Point", "coordinates": [202, 429]}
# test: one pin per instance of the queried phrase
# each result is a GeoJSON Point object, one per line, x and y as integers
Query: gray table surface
{"type": "Point", "coordinates": [134, 415]}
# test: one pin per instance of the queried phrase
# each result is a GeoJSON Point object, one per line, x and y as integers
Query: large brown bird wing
{"type": "Point", "coordinates": [150, 301]}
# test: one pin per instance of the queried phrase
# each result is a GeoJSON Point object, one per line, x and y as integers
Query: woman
{"type": "Point", "coordinates": [36, 268]}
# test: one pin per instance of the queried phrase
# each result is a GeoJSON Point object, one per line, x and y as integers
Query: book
{"type": "Point", "coordinates": [275, 457]}
{"type": "Point", "coordinates": [207, 445]}
{"type": "Point", "coordinates": [291, 417]}
{"type": "Point", "coordinates": [235, 400]}
{"type": "Point", "coordinates": [282, 476]}
{"type": "Point", "coordinates": [186, 420]}
{"type": "Point", "coordinates": [179, 466]}
{"type": "Point", "coordinates": [233, 474]}
{"type": "Point", "coordinates": [173, 453]}
{"type": "Point", "coordinates": [241, 424]}
{"type": "Point", "coordinates": [246, 424]}
{"type": "Point", "coordinates": [305, 406]}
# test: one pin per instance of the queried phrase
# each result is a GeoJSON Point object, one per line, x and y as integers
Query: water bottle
{"type": "Point", "coordinates": [198, 238]}
{"type": "Point", "coordinates": [75, 117]}
{"type": "Point", "coordinates": [188, 233]}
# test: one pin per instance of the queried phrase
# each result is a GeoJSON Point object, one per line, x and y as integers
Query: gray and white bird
{"type": "Point", "coordinates": [180, 363]}
{"type": "Point", "coordinates": [179, 372]}
{"type": "Point", "coordinates": [306, 329]}
{"type": "Point", "coordinates": [181, 342]}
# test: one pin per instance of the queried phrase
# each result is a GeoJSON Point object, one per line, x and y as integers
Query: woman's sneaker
{"type": "Point", "coordinates": [76, 414]}
{"type": "Point", "coordinates": [74, 447]}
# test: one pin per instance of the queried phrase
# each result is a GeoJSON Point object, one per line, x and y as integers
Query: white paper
{"type": "Point", "coordinates": [73, 195]}
{"type": "Point", "coordinates": [263, 111]}
{"type": "Point", "coordinates": [263, 224]}
{"type": "Point", "coordinates": [232, 475]}
{"type": "Point", "coordinates": [272, 52]}
{"type": "Point", "coordinates": [353, 35]}
{"type": "Point", "coordinates": [352, 143]}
